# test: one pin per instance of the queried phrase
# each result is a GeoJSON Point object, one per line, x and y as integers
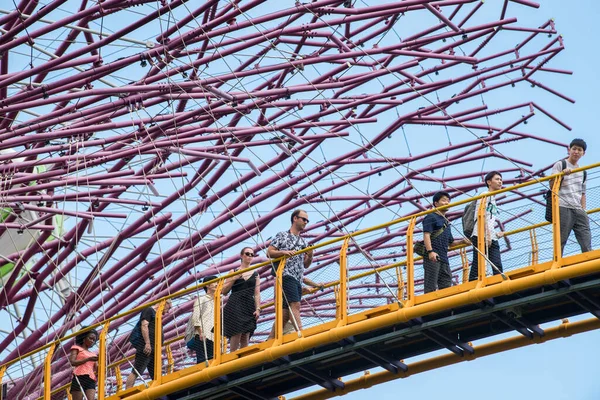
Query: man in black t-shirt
{"type": "Point", "coordinates": [437, 237]}
{"type": "Point", "coordinates": [144, 348]}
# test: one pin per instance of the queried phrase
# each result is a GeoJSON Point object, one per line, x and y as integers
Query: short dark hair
{"type": "Point", "coordinates": [578, 142]}
{"type": "Point", "coordinates": [490, 175]}
{"type": "Point", "coordinates": [438, 196]}
{"type": "Point", "coordinates": [295, 214]}
{"type": "Point", "coordinates": [81, 337]}
{"type": "Point", "coordinates": [208, 279]}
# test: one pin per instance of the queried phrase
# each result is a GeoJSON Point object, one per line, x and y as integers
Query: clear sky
{"type": "Point", "coordinates": [564, 368]}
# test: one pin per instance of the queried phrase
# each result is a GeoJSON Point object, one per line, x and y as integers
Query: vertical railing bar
{"type": "Point", "coordinates": [344, 283]}
{"type": "Point", "coordinates": [556, 239]}
{"type": "Point", "coordinates": [48, 371]}
{"type": "Point", "coordinates": [410, 262]}
{"type": "Point", "coordinates": [102, 361]}
{"type": "Point", "coordinates": [481, 243]}
{"type": "Point", "coordinates": [217, 349]}
{"type": "Point", "coordinates": [158, 344]}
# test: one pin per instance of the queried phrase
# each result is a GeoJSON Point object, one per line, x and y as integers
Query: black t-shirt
{"type": "Point", "coordinates": [434, 222]}
{"type": "Point", "coordinates": [149, 315]}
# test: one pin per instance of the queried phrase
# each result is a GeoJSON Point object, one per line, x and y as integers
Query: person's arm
{"type": "Point", "coordinates": [432, 255]}
{"type": "Point", "coordinates": [75, 362]}
{"type": "Point", "coordinates": [257, 297]}
{"type": "Point", "coordinates": [146, 336]}
{"type": "Point", "coordinates": [312, 283]}
{"type": "Point", "coordinates": [308, 257]}
{"type": "Point", "coordinates": [196, 315]}
{"type": "Point", "coordinates": [228, 284]}
{"type": "Point", "coordinates": [583, 201]}
{"type": "Point", "coordinates": [272, 252]}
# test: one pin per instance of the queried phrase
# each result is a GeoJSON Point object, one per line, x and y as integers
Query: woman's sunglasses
{"type": "Point", "coordinates": [247, 253]}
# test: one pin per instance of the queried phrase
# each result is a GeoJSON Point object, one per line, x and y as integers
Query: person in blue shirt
{"type": "Point", "coordinates": [437, 237]}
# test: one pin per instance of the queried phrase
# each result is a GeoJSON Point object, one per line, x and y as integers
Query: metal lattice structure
{"type": "Point", "coordinates": [143, 143]}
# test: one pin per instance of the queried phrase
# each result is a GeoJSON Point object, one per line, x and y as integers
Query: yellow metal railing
{"type": "Point", "coordinates": [343, 325]}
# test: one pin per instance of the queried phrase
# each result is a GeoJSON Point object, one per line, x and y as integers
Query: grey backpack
{"type": "Point", "coordinates": [468, 219]}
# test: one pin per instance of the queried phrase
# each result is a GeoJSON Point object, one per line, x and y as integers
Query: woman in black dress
{"type": "Point", "coordinates": [243, 307]}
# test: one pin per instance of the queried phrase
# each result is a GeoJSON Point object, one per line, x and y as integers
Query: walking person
{"type": "Point", "coordinates": [572, 199]}
{"type": "Point", "coordinates": [288, 243]}
{"type": "Point", "coordinates": [243, 306]}
{"type": "Point", "coordinates": [493, 181]}
{"type": "Point", "coordinates": [144, 344]}
{"type": "Point", "coordinates": [85, 363]}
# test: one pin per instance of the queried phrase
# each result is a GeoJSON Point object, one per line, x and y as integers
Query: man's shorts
{"type": "Point", "coordinates": [292, 290]}
{"type": "Point", "coordinates": [143, 361]}
{"type": "Point", "coordinates": [81, 383]}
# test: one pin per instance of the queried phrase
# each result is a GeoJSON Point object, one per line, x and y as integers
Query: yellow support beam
{"type": "Point", "coordinates": [158, 343]}
{"type": "Point", "coordinates": [217, 339]}
{"type": "Point", "coordinates": [2, 372]}
{"type": "Point", "coordinates": [102, 361]}
{"type": "Point", "coordinates": [410, 263]}
{"type": "Point", "coordinates": [48, 372]}
{"type": "Point", "coordinates": [557, 253]}
{"type": "Point", "coordinates": [343, 293]}
{"type": "Point", "coordinates": [481, 243]}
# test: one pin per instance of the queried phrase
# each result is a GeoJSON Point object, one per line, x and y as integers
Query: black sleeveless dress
{"type": "Point", "coordinates": [238, 313]}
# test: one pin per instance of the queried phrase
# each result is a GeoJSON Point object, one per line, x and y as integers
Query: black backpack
{"type": "Point", "coordinates": [468, 219]}
{"type": "Point", "coordinates": [548, 194]}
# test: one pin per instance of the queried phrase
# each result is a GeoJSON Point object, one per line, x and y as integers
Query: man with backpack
{"type": "Point", "coordinates": [493, 181]}
{"type": "Point", "coordinates": [199, 331]}
{"type": "Point", "coordinates": [437, 237]}
{"type": "Point", "coordinates": [571, 197]}
{"type": "Point", "coordinates": [288, 243]}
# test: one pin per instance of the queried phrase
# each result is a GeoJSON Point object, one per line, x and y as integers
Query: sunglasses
{"type": "Point", "coordinates": [247, 253]}
{"type": "Point", "coordinates": [304, 219]}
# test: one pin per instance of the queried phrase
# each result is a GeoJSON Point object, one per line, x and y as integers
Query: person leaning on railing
{"type": "Point", "coordinates": [85, 365]}
{"type": "Point", "coordinates": [493, 181]}
{"type": "Point", "coordinates": [144, 346]}
{"type": "Point", "coordinates": [243, 306]}
{"type": "Point", "coordinates": [199, 332]}
{"type": "Point", "coordinates": [571, 198]}
{"type": "Point", "coordinates": [288, 243]}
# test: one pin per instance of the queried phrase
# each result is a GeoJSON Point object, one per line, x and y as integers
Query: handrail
{"type": "Point", "coordinates": [278, 301]}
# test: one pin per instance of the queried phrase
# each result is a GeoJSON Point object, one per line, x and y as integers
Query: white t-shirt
{"type": "Point", "coordinates": [572, 186]}
{"type": "Point", "coordinates": [491, 215]}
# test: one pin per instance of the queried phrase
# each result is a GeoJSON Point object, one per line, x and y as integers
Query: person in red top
{"type": "Point", "coordinates": [85, 366]}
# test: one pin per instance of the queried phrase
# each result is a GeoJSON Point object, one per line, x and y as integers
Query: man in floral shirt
{"type": "Point", "coordinates": [287, 244]}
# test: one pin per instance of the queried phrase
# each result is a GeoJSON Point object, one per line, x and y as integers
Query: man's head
{"type": "Point", "coordinates": [493, 181]}
{"type": "Point", "coordinates": [299, 220]}
{"type": "Point", "coordinates": [210, 286]}
{"type": "Point", "coordinates": [441, 198]}
{"type": "Point", "coordinates": [577, 149]}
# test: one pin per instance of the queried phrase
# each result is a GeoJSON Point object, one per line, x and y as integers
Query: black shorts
{"type": "Point", "coordinates": [143, 362]}
{"type": "Point", "coordinates": [81, 383]}
{"type": "Point", "coordinates": [292, 290]}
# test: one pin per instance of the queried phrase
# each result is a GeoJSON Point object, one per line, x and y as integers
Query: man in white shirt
{"type": "Point", "coordinates": [199, 332]}
{"type": "Point", "coordinates": [493, 181]}
{"type": "Point", "coordinates": [571, 198]}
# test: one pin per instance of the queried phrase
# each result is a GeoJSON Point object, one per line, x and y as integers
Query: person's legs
{"type": "Point", "coordinates": [203, 355]}
{"type": "Point", "coordinates": [244, 340]}
{"type": "Point", "coordinates": [494, 256]}
{"type": "Point", "coordinates": [431, 271]}
{"type": "Point", "coordinates": [445, 276]}
{"type": "Point", "coordinates": [286, 316]}
{"type": "Point", "coordinates": [581, 227]}
{"type": "Point", "coordinates": [234, 342]}
{"type": "Point", "coordinates": [566, 225]}
{"type": "Point", "coordinates": [295, 308]}
{"type": "Point", "coordinates": [139, 365]}
{"type": "Point", "coordinates": [473, 273]}
{"type": "Point", "coordinates": [90, 394]}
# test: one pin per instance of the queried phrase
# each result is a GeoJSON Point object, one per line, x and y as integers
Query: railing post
{"type": "Point", "coordinates": [481, 242]}
{"type": "Point", "coordinates": [465, 264]}
{"type": "Point", "coordinates": [170, 359]}
{"type": "Point", "coordinates": [343, 297]}
{"type": "Point", "coordinates": [102, 361]}
{"type": "Point", "coordinates": [48, 372]}
{"type": "Point", "coordinates": [217, 349]}
{"type": "Point", "coordinates": [535, 250]}
{"type": "Point", "coordinates": [410, 262]}
{"type": "Point", "coordinates": [158, 343]}
{"type": "Point", "coordinates": [556, 239]}
{"type": "Point", "coordinates": [400, 281]}
{"type": "Point", "coordinates": [279, 302]}
{"type": "Point", "coordinates": [2, 372]}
